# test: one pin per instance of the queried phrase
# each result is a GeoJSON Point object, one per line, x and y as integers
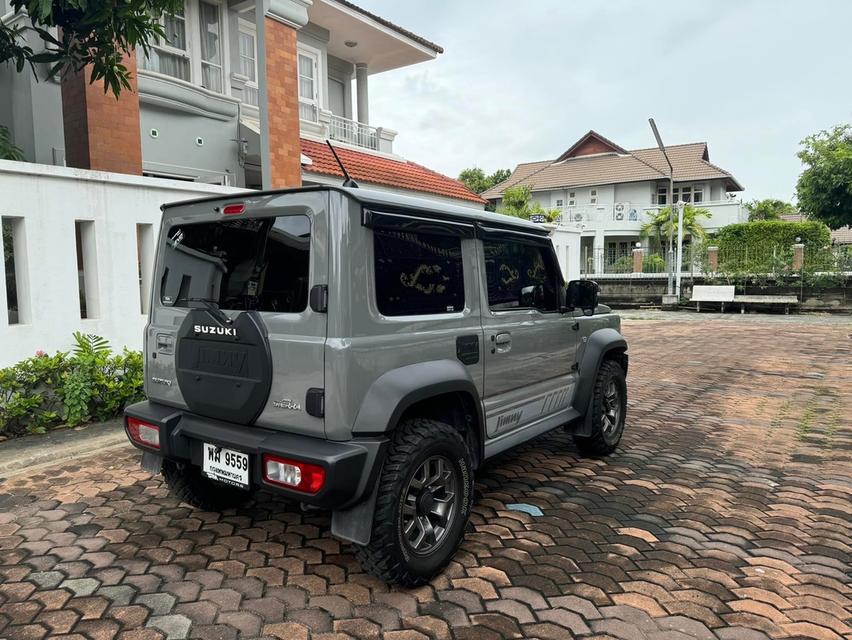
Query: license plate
{"type": "Point", "coordinates": [226, 465]}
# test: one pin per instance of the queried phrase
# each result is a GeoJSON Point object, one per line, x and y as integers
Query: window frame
{"type": "Point", "coordinates": [316, 103]}
{"type": "Point", "coordinates": [593, 196]}
{"type": "Point", "coordinates": [245, 27]}
{"type": "Point", "coordinates": [542, 245]}
{"type": "Point", "coordinates": [170, 50]}
{"type": "Point", "coordinates": [221, 37]}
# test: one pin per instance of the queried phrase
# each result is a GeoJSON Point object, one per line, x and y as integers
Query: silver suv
{"type": "Point", "coordinates": [365, 353]}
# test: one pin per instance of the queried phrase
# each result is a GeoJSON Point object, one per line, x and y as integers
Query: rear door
{"type": "Point", "coordinates": [530, 345]}
{"type": "Point", "coordinates": [255, 269]}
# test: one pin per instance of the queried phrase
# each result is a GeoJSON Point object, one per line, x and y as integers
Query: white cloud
{"type": "Point", "coordinates": [522, 81]}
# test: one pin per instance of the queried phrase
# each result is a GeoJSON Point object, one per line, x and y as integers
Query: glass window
{"type": "Point", "coordinates": [249, 263]}
{"type": "Point", "coordinates": [520, 275]}
{"type": "Point", "coordinates": [170, 55]}
{"type": "Point", "coordinates": [662, 195]}
{"type": "Point", "coordinates": [211, 56]}
{"type": "Point", "coordinates": [593, 196]}
{"type": "Point", "coordinates": [559, 202]}
{"type": "Point", "coordinates": [248, 61]}
{"type": "Point", "coordinates": [417, 273]}
{"type": "Point", "coordinates": [308, 98]}
{"type": "Point", "coordinates": [697, 194]}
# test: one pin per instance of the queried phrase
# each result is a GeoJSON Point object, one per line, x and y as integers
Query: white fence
{"type": "Point", "coordinates": [78, 253]}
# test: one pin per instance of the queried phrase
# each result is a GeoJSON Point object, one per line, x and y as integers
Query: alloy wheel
{"type": "Point", "coordinates": [429, 505]}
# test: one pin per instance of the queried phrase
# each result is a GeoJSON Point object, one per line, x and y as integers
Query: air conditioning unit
{"type": "Point", "coordinates": [621, 208]}
{"type": "Point", "coordinates": [578, 217]}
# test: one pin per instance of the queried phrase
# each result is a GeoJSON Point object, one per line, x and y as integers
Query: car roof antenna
{"type": "Point", "coordinates": [349, 182]}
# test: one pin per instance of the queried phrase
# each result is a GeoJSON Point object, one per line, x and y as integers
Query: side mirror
{"type": "Point", "coordinates": [582, 294]}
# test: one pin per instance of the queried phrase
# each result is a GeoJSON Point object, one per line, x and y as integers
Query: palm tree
{"type": "Point", "coordinates": [658, 225]}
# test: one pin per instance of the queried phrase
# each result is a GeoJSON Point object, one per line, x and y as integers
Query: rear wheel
{"type": "Point", "coordinates": [424, 500]}
{"type": "Point", "coordinates": [188, 484]}
{"type": "Point", "coordinates": [609, 409]}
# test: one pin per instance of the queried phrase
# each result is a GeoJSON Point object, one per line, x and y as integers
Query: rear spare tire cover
{"type": "Point", "coordinates": [224, 371]}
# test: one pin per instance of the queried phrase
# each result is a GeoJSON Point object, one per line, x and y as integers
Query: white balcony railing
{"type": "Point", "coordinates": [351, 132]}
{"type": "Point", "coordinates": [627, 216]}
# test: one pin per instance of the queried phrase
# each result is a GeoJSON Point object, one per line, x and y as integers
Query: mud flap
{"type": "Point", "coordinates": [355, 524]}
{"type": "Point", "coordinates": [151, 462]}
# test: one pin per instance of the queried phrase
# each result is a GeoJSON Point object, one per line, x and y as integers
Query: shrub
{"type": "Point", "coordinates": [90, 383]}
{"type": "Point", "coordinates": [772, 232]}
{"type": "Point", "coordinates": [623, 265]}
{"type": "Point", "coordinates": [653, 263]}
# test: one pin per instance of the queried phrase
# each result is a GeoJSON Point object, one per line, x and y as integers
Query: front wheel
{"type": "Point", "coordinates": [424, 499]}
{"type": "Point", "coordinates": [609, 409]}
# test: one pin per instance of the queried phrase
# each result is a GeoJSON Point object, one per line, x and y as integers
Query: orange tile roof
{"type": "Point", "coordinates": [368, 167]}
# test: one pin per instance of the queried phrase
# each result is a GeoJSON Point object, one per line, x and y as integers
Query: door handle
{"type": "Point", "coordinates": [503, 342]}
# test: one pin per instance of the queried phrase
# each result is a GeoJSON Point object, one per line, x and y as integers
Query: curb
{"type": "Point", "coordinates": [28, 452]}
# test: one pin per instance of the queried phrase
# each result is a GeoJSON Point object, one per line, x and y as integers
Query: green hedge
{"type": "Point", "coordinates": [90, 383]}
{"type": "Point", "coordinates": [772, 232]}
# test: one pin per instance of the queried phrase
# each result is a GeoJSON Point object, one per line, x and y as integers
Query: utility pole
{"type": "Point", "coordinates": [670, 254]}
{"type": "Point", "coordinates": [679, 265]}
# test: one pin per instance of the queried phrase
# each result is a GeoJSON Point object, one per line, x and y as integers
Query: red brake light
{"type": "Point", "coordinates": [293, 474]}
{"type": "Point", "coordinates": [144, 433]}
{"type": "Point", "coordinates": [233, 209]}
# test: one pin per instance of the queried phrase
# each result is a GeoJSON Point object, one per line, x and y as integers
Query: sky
{"type": "Point", "coordinates": [522, 81]}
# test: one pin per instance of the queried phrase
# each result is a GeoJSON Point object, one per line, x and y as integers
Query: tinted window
{"type": "Point", "coordinates": [240, 264]}
{"type": "Point", "coordinates": [520, 275]}
{"type": "Point", "coordinates": [417, 273]}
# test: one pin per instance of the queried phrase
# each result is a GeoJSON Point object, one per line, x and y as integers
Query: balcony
{"type": "Point", "coordinates": [329, 126]}
{"type": "Point", "coordinates": [625, 217]}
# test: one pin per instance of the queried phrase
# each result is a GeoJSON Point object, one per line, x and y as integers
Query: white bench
{"type": "Point", "coordinates": [769, 300]}
{"type": "Point", "coordinates": [712, 293]}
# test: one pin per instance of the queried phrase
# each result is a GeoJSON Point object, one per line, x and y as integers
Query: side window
{"type": "Point", "coordinates": [520, 275]}
{"type": "Point", "coordinates": [417, 273]}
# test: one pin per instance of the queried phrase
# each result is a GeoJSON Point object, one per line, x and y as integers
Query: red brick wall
{"type": "Point", "coordinates": [283, 96]}
{"type": "Point", "coordinates": [101, 133]}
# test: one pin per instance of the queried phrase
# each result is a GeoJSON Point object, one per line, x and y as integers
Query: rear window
{"type": "Point", "coordinates": [417, 273]}
{"type": "Point", "coordinates": [241, 264]}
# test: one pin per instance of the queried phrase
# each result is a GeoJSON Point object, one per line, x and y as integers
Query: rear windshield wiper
{"type": "Point", "coordinates": [213, 307]}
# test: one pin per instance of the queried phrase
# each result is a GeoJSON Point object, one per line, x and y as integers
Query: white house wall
{"type": "Point", "coordinates": [47, 201]}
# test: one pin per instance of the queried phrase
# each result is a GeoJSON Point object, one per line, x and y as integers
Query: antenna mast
{"type": "Point", "coordinates": [349, 182]}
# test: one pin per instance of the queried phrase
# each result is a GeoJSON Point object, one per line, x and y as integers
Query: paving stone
{"type": "Point", "coordinates": [173, 626]}
{"type": "Point", "coordinates": [159, 604]}
{"type": "Point", "coordinates": [715, 519]}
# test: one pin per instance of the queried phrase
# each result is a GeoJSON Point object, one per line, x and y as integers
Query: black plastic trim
{"type": "Point", "coordinates": [410, 222]}
{"type": "Point", "coordinates": [318, 298]}
{"type": "Point", "coordinates": [598, 345]}
{"type": "Point", "coordinates": [467, 349]}
{"type": "Point", "coordinates": [315, 402]}
{"type": "Point", "coordinates": [351, 467]}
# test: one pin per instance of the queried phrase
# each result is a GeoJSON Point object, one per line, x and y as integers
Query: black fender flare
{"type": "Point", "coordinates": [398, 389]}
{"type": "Point", "coordinates": [384, 404]}
{"type": "Point", "coordinates": [598, 345]}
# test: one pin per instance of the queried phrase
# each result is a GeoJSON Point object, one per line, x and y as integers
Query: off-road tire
{"type": "Point", "coordinates": [188, 484]}
{"type": "Point", "coordinates": [601, 442]}
{"type": "Point", "coordinates": [388, 556]}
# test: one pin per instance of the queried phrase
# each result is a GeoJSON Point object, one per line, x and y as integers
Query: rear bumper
{"type": "Point", "coordinates": [351, 468]}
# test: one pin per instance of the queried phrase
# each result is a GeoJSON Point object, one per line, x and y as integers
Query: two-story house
{"type": "Point", "coordinates": [239, 92]}
{"type": "Point", "coordinates": [608, 193]}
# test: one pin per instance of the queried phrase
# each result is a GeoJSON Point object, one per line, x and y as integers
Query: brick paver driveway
{"type": "Point", "coordinates": [725, 514]}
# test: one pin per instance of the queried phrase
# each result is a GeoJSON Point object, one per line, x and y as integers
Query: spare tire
{"type": "Point", "coordinates": [224, 371]}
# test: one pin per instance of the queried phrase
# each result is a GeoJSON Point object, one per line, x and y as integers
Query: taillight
{"type": "Point", "coordinates": [233, 209]}
{"type": "Point", "coordinates": [144, 433]}
{"type": "Point", "coordinates": [293, 474]}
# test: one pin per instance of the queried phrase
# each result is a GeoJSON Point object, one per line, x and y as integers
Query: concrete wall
{"type": "Point", "coordinates": [633, 292]}
{"type": "Point", "coordinates": [45, 202]}
{"type": "Point", "coordinates": [567, 246]}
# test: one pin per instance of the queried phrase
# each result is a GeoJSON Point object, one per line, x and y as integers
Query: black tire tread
{"type": "Point", "coordinates": [407, 441]}
{"type": "Point", "coordinates": [187, 484]}
{"type": "Point", "coordinates": [596, 445]}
